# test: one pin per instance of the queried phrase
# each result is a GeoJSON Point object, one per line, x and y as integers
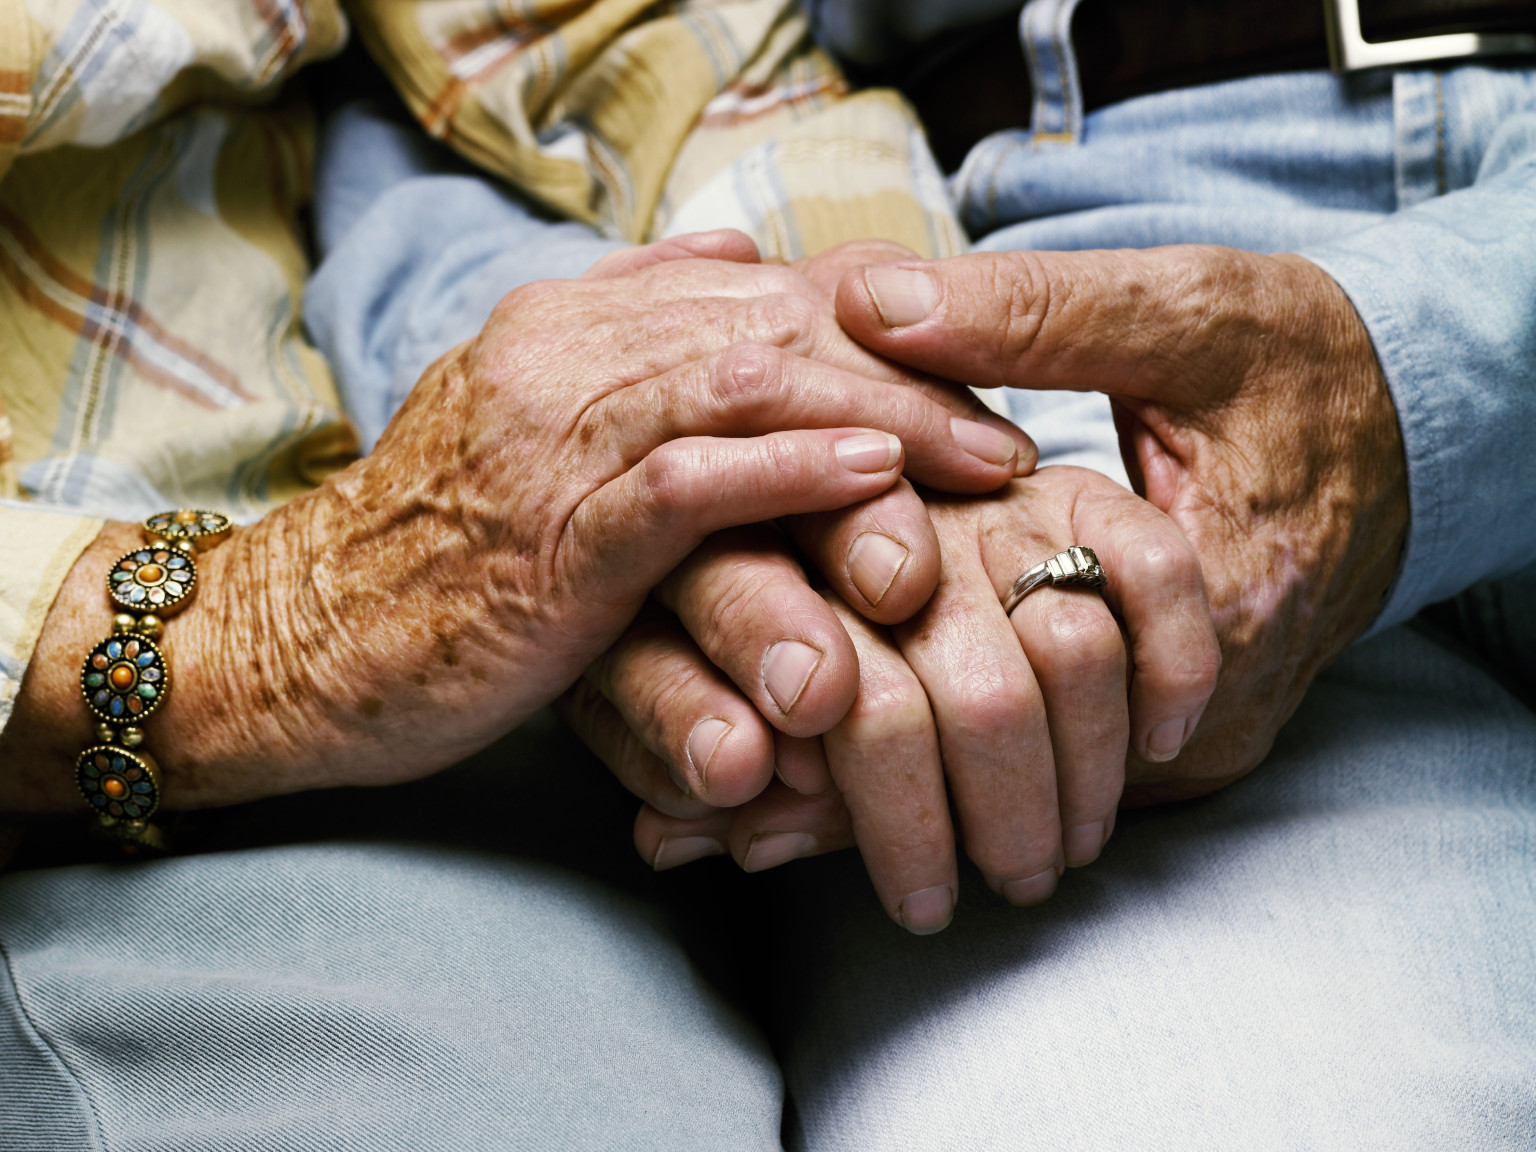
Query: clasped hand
{"type": "Point", "coordinates": [759, 561]}
{"type": "Point", "coordinates": [779, 712]}
{"type": "Point", "coordinates": [1255, 420]}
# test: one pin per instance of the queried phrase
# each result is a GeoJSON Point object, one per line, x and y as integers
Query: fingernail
{"type": "Point", "coordinates": [1083, 843]}
{"type": "Point", "coordinates": [1164, 741]}
{"type": "Point", "coordinates": [982, 442]}
{"type": "Point", "coordinates": [702, 742]}
{"type": "Point", "coordinates": [874, 561]}
{"type": "Point", "coordinates": [929, 911]}
{"type": "Point", "coordinates": [676, 850]}
{"type": "Point", "coordinates": [869, 452]}
{"type": "Point", "coordinates": [1025, 463]}
{"type": "Point", "coordinates": [1032, 889]}
{"type": "Point", "coordinates": [787, 669]}
{"type": "Point", "coordinates": [771, 849]}
{"type": "Point", "coordinates": [902, 295]}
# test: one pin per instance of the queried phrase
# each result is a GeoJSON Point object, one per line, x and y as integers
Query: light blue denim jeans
{"type": "Point", "coordinates": [1339, 951]}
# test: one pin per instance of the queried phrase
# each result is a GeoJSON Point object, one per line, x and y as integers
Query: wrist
{"type": "Point", "coordinates": [232, 727]}
{"type": "Point", "coordinates": [320, 652]}
{"type": "Point", "coordinates": [239, 725]}
{"type": "Point", "coordinates": [49, 724]}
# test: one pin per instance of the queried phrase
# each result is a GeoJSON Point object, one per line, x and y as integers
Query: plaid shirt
{"type": "Point", "coordinates": [152, 174]}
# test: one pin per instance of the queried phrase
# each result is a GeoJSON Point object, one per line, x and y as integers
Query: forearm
{"type": "Point", "coordinates": [315, 653]}
{"type": "Point", "coordinates": [49, 723]}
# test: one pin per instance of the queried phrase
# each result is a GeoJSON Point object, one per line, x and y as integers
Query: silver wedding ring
{"type": "Point", "coordinates": [1076, 567]}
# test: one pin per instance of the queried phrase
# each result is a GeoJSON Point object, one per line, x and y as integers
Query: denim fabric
{"type": "Point", "coordinates": [1416, 191]}
{"type": "Point", "coordinates": [332, 996]}
{"type": "Point", "coordinates": [460, 975]}
{"type": "Point", "coordinates": [1337, 952]}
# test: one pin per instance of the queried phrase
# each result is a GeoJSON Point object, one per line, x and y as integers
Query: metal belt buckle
{"type": "Point", "coordinates": [1349, 51]}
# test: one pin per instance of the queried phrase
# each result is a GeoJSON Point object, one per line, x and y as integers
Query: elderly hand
{"type": "Point", "coordinates": [1252, 410]}
{"type": "Point", "coordinates": [540, 480]}
{"type": "Point", "coordinates": [770, 632]}
{"type": "Point", "coordinates": [1020, 722]}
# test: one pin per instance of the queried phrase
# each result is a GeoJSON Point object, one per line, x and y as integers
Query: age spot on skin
{"type": "Point", "coordinates": [371, 707]}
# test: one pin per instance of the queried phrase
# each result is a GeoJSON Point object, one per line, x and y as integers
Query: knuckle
{"type": "Point", "coordinates": [669, 700]}
{"type": "Point", "coordinates": [750, 372]}
{"type": "Point", "coordinates": [1079, 632]}
{"type": "Point", "coordinates": [986, 697]}
{"type": "Point", "coordinates": [1190, 679]}
{"type": "Point", "coordinates": [667, 481]}
{"type": "Point", "coordinates": [1021, 279]}
{"type": "Point", "coordinates": [1165, 564]}
{"type": "Point", "coordinates": [889, 703]}
{"type": "Point", "coordinates": [786, 320]}
{"type": "Point", "coordinates": [782, 463]}
{"type": "Point", "coordinates": [738, 603]}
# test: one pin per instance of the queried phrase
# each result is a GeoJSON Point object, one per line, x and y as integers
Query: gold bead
{"type": "Point", "coordinates": [106, 733]}
{"type": "Point", "coordinates": [132, 736]}
{"type": "Point", "coordinates": [185, 544]}
{"type": "Point", "coordinates": [123, 622]}
{"type": "Point", "coordinates": [150, 626]}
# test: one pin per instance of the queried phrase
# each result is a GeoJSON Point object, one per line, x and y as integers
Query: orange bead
{"type": "Point", "coordinates": [151, 574]}
{"type": "Point", "coordinates": [114, 787]}
{"type": "Point", "coordinates": [123, 677]}
{"type": "Point", "coordinates": [186, 516]}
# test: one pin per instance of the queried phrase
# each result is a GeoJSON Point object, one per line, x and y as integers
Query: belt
{"type": "Point", "coordinates": [970, 83]}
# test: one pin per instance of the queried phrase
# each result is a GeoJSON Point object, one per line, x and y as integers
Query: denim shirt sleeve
{"type": "Point", "coordinates": [1447, 290]}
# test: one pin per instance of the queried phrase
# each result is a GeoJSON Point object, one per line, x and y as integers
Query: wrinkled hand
{"type": "Point", "coordinates": [1252, 410]}
{"type": "Point", "coordinates": [745, 595]}
{"type": "Point", "coordinates": [1021, 723]}
{"type": "Point", "coordinates": [538, 482]}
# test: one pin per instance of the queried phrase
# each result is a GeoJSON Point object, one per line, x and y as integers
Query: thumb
{"type": "Point", "coordinates": [1158, 324]}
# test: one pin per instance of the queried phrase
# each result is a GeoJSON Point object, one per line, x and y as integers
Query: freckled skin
{"type": "Point", "coordinates": [426, 599]}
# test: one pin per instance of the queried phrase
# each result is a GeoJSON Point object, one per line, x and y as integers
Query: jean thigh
{"type": "Point", "coordinates": [484, 965]}
{"type": "Point", "coordinates": [1338, 951]}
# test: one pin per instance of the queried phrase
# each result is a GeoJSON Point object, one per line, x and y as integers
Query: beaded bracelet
{"type": "Point", "coordinates": [125, 678]}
